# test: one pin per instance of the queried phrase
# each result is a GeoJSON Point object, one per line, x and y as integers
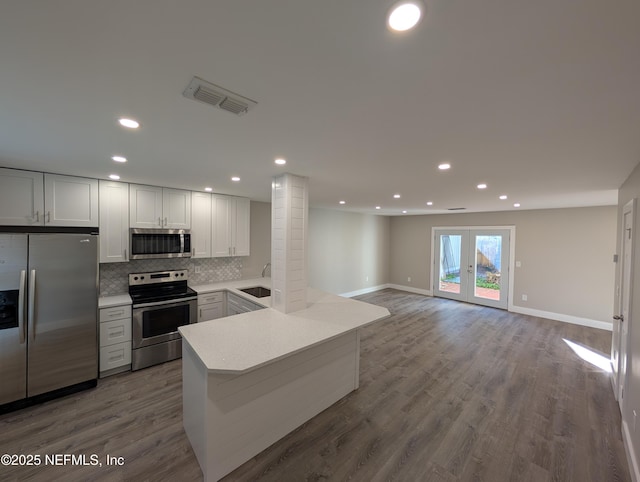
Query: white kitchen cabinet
{"type": "Point", "coordinates": [201, 224]}
{"type": "Point", "coordinates": [157, 207]}
{"type": "Point", "coordinates": [114, 221]}
{"type": "Point", "coordinates": [70, 201]}
{"type": "Point", "coordinates": [237, 304]}
{"type": "Point", "coordinates": [211, 306]}
{"type": "Point", "coordinates": [115, 339]}
{"type": "Point", "coordinates": [21, 198]}
{"type": "Point", "coordinates": [230, 233]}
{"type": "Point", "coordinates": [36, 199]}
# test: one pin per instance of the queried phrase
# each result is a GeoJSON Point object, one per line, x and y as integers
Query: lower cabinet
{"type": "Point", "coordinates": [211, 306]}
{"type": "Point", "coordinates": [115, 340]}
{"type": "Point", "coordinates": [219, 304]}
{"type": "Point", "coordinates": [236, 305]}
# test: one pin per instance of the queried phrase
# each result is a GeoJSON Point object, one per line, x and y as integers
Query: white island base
{"type": "Point", "coordinates": [230, 418]}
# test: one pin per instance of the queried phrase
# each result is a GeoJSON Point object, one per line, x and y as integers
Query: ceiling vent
{"type": "Point", "coordinates": [203, 91]}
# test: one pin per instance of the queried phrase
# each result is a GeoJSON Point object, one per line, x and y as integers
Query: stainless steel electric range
{"type": "Point", "coordinates": [162, 302]}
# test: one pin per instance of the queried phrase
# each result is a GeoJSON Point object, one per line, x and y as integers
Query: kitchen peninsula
{"type": "Point", "coordinates": [250, 379]}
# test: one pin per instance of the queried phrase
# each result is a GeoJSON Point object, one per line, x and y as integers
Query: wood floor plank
{"type": "Point", "coordinates": [448, 392]}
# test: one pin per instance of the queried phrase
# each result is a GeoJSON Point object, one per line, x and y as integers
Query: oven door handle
{"type": "Point", "coordinates": [162, 303]}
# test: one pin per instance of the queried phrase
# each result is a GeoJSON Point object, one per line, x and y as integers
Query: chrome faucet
{"type": "Point", "coordinates": [265, 268]}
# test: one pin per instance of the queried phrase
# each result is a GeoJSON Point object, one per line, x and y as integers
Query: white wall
{"type": "Point", "coordinates": [344, 248]}
{"type": "Point", "coordinates": [566, 256]}
{"type": "Point", "coordinates": [347, 251]}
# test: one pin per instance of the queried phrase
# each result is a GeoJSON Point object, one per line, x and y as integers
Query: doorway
{"type": "Point", "coordinates": [622, 319]}
{"type": "Point", "coordinates": [472, 265]}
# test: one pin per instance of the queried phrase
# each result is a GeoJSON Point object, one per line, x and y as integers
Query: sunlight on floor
{"type": "Point", "coordinates": [588, 355]}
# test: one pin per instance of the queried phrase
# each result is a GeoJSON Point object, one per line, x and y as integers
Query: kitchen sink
{"type": "Point", "coordinates": [257, 291]}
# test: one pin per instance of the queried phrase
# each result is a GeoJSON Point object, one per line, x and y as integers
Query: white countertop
{"type": "Point", "coordinates": [235, 285]}
{"type": "Point", "coordinates": [111, 301]}
{"type": "Point", "coordinates": [241, 343]}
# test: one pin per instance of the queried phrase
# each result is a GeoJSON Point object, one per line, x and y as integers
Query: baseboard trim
{"type": "Point", "coordinates": [576, 320]}
{"type": "Point", "coordinates": [628, 448]}
{"type": "Point", "coordinates": [411, 289]}
{"type": "Point", "coordinates": [364, 291]}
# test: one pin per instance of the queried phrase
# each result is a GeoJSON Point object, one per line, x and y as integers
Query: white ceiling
{"type": "Point", "coordinates": [538, 99]}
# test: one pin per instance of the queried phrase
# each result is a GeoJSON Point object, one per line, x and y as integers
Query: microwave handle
{"type": "Point", "coordinates": [182, 243]}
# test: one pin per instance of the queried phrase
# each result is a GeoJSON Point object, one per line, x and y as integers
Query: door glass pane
{"type": "Point", "coordinates": [450, 263]}
{"type": "Point", "coordinates": [488, 254]}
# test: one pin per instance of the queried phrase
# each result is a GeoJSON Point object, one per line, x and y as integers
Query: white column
{"type": "Point", "coordinates": [289, 215]}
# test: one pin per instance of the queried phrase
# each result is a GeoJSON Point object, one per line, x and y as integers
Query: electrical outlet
{"type": "Point", "coordinates": [409, 279]}
{"type": "Point", "coordinates": [366, 278]}
{"type": "Point", "coordinates": [198, 268]}
{"type": "Point", "coordinates": [524, 297]}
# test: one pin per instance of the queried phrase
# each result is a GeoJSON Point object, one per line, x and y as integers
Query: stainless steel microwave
{"type": "Point", "coordinates": [159, 243]}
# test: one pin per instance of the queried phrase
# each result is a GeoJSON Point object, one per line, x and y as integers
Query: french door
{"type": "Point", "coordinates": [472, 265]}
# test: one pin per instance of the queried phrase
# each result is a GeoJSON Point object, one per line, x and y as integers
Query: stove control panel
{"type": "Point", "coordinates": [156, 277]}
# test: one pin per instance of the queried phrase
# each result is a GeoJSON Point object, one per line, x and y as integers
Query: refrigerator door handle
{"type": "Point", "coordinates": [23, 276]}
{"type": "Point", "coordinates": [32, 304]}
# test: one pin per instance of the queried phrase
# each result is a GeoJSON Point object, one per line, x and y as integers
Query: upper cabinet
{"type": "Point", "coordinates": [157, 207]}
{"type": "Point", "coordinates": [36, 199]}
{"type": "Point", "coordinates": [114, 222]}
{"type": "Point", "coordinates": [201, 225]}
{"type": "Point", "coordinates": [230, 226]}
{"type": "Point", "coordinates": [70, 201]}
{"type": "Point", "coordinates": [21, 198]}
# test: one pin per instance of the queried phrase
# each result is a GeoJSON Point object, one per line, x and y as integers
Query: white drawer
{"type": "Point", "coordinates": [115, 356]}
{"type": "Point", "coordinates": [115, 313]}
{"type": "Point", "coordinates": [215, 297]}
{"type": "Point", "coordinates": [116, 331]}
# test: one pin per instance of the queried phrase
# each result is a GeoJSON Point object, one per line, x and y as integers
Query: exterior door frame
{"type": "Point", "coordinates": [512, 255]}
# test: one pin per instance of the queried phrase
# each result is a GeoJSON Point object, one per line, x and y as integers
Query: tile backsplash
{"type": "Point", "coordinates": [114, 277]}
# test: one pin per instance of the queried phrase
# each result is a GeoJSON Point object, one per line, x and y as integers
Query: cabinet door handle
{"type": "Point", "coordinates": [165, 222]}
{"type": "Point", "coordinates": [37, 216]}
{"type": "Point", "coordinates": [48, 216]}
{"type": "Point", "coordinates": [125, 254]}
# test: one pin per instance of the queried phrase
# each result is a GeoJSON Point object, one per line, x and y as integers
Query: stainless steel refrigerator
{"type": "Point", "coordinates": [48, 313]}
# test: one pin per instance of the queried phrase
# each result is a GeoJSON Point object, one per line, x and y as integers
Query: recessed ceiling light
{"type": "Point", "coordinates": [115, 177]}
{"type": "Point", "coordinates": [342, 202]}
{"type": "Point", "coordinates": [208, 189]}
{"type": "Point", "coordinates": [130, 123]}
{"type": "Point", "coordinates": [404, 15]}
{"type": "Point", "coordinates": [396, 196]}
{"type": "Point", "coordinates": [444, 166]}
{"type": "Point", "coordinates": [235, 179]}
{"type": "Point", "coordinates": [516, 205]}
{"type": "Point", "coordinates": [503, 197]}
{"type": "Point", "coordinates": [378, 207]}
{"type": "Point", "coordinates": [429, 203]}
{"type": "Point", "coordinates": [404, 212]}
{"type": "Point", "coordinates": [281, 162]}
{"type": "Point", "coordinates": [119, 158]}
{"type": "Point", "coordinates": [482, 186]}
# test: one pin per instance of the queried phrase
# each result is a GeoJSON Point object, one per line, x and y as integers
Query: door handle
{"type": "Point", "coordinates": [23, 275]}
{"type": "Point", "coordinates": [619, 317]}
{"type": "Point", "coordinates": [32, 304]}
{"type": "Point", "coordinates": [166, 222]}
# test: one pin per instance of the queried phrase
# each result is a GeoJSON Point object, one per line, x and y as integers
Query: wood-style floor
{"type": "Point", "coordinates": [448, 392]}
